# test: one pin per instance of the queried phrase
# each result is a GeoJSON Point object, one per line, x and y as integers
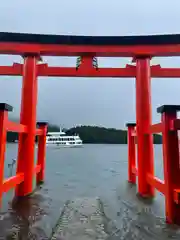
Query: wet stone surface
{"type": "Point", "coordinates": [83, 219]}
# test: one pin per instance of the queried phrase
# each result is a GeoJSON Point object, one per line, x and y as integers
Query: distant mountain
{"type": "Point", "coordinates": [53, 128]}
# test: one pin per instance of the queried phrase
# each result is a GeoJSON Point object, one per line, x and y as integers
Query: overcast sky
{"type": "Point", "coordinates": [71, 101]}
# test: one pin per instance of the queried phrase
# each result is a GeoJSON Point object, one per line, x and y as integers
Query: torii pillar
{"type": "Point", "coordinates": [28, 117]}
{"type": "Point", "coordinates": [144, 121]}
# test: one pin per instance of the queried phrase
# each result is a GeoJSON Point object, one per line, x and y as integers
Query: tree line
{"type": "Point", "coordinates": [95, 134]}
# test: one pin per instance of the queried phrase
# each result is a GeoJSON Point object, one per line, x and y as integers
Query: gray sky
{"type": "Point", "coordinates": [72, 101]}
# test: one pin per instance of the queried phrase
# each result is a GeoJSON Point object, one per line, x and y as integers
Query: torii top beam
{"type": "Point", "coordinates": [104, 46]}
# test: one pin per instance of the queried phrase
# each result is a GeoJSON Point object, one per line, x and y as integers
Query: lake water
{"type": "Point", "coordinates": [91, 171]}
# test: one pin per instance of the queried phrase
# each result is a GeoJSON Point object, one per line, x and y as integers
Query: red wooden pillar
{"type": "Point", "coordinates": [171, 161]}
{"type": "Point", "coordinates": [28, 118]}
{"type": "Point", "coordinates": [143, 121]}
{"type": "Point", "coordinates": [131, 152]}
{"type": "Point", "coordinates": [4, 108]}
{"type": "Point", "coordinates": [41, 152]}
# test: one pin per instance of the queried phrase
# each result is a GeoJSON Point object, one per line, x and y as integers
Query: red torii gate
{"type": "Point", "coordinates": [141, 48]}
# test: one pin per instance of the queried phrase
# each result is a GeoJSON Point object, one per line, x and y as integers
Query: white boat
{"type": "Point", "coordinates": [60, 139]}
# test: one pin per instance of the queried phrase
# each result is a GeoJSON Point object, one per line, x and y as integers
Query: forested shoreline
{"type": "Point", "coordinates": [92, 134]}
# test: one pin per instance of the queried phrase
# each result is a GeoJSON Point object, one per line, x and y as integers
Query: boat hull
{"type": "Point", "coordinates": [64, 145]}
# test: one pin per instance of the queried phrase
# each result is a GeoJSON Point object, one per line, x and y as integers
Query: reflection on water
{"type": "Point", "coordinates": [91, 171]}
